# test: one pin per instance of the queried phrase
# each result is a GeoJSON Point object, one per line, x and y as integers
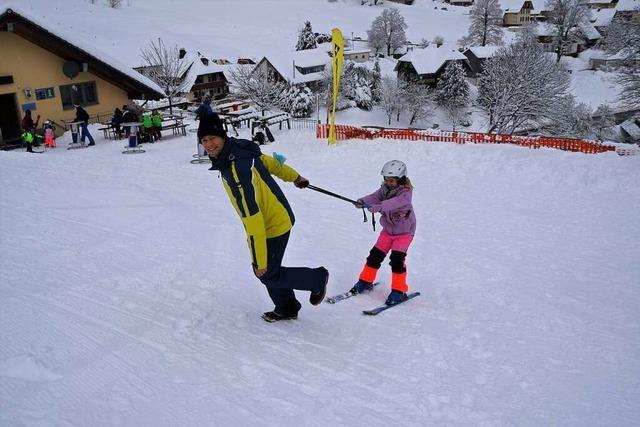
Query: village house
{"type": "Point", "coordinates": [202, 77]}
{"type": "Point", "coordinates": [630, 131]}
{"type": "Point", "coordinates": [518, 13]}
{"type": "Point", "coordinates": [47, 70]}
{"type": "Point", "coordinates": [461, 2]}
{"type": "Point", "coordinates": [477, 56]}
{"type": "Point", "coordinates": [602, 4]}
{"type": "Point", "coordinates": [602, 61]}
{"type": "Point", "coordinates": [427, 65]}
{"type": "Point", "coordinates": [357, 55]}
{"type": "Point", "coordinates": [304, 67]}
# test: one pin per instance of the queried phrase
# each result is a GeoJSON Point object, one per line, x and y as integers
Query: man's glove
{"type": "Point", "coordinates": [301, 182]}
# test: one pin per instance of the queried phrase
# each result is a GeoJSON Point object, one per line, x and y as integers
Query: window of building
{"type": "Point", "coordinates": [78, 93]}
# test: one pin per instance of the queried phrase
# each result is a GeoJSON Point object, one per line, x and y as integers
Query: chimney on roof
{"type": "Point", "coordinates": [182, 53]}
{"type": "Point", "coordinates": [205, 61]}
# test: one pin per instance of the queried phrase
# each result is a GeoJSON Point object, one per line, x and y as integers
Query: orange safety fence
{"type": "Point", "coordinates": [344, 132]}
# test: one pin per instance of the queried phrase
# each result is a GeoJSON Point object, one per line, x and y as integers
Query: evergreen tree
{"type": "Point", "coordinates": [356, 85]}
{"type": "Point", "coordinates": [452, 92]}
{"type": "Point", "coordinates": [299, 101]}
{"type": "Point", "coordinates": [306, 38]}
{"type": "Point", "coordinates": [376, 83]}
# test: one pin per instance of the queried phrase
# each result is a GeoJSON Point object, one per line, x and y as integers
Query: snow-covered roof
{"type": "Point", "coordinates": [627, 5]}
{"type": "Point", "coordinates": [199, 68]}
{"type": "Point", "coordinates": [78, 41]}
{"type": "Point", "coordinates": [429, 60]}
{"type": "Point", "coordinates": [619, 56]}
{"type": "Point", "coordinates": [357, 51]}
{"type": "Point", "coordinates": [311, 57]}
{"type": "Point", "coordinates": [516, 5]}
{"type": "Point", "coordinates": [602, 17]}
{"type": "Point", "coordinates": [590, 31]}
{"type": "Point", "coordinates": [303, 58]}
{"type": "Point", "coordinates": [484, 51]}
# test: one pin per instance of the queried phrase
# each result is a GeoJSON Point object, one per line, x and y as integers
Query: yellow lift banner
{"type": "Point", "coordinates": [338, 58]}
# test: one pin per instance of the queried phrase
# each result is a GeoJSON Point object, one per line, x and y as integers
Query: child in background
{"type": "Point", "coordinates": [156, 120]}
{"type": "Point", "coordinates": [148, 127]}
{"type": "Point", "coordinates": [393, 201]}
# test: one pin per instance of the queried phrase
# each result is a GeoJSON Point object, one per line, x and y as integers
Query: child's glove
{"type": "Point", "coordinates": [374, 208]}
{"type": "Point", "coordinates": [360, 204]}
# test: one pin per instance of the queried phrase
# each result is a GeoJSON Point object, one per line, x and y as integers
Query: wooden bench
{"type": "Point", "coordinates": [176, 127]}
{"type": "Point", "coordinates": [109, 131]}
{"type": "Point", "coordinates": [278, 119]}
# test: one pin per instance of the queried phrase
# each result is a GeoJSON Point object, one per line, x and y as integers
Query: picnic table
{"type": "Point", "coordinates": [264, 121]}
{"type": "Point", "coordinates": [236, 118]}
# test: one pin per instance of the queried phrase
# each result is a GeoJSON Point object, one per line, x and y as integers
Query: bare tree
{"type": "Point", "coordinates": [486, 24]}
{"type": "Point", "coordinates": [387, 31]}
{"type": "Point", "coordinates": [623, 38]}
{"type": "Point", "coordinates": [166, 68]}
{"type": "Point", "coordinates": [564, 16]}
{"type": "Point", "coordinates": [521, 87]}
{"type": "Point", "coordinates": [260, 88]}
{"type": "Point", "coordinates": [114, 3]}
{"type": "Point", "coordinates": [603, 122]}
{"type": "Point", "coordinates": [570, 119]}
{"type": "Point", "coordinates": [418, 102]}
{"type": "Point", "coordinates": [391, 97]}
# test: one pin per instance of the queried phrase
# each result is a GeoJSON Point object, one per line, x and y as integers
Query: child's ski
{"type": "Point", "coordinates": [334, 299]}
{"type": "Point", "coordinates": [382, 308]}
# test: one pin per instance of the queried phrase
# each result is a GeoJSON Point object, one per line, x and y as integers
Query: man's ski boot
{"type": "Point", "coordinates": [361, 286]}
{"type": "Point", "coordinates": [290, 312]}
{"type": "Point", "coordinates": [272, 316]}
{"type": "Point", "coordinates": [395, 297]}
{"type": "Point", "coordinates": [316, 297]}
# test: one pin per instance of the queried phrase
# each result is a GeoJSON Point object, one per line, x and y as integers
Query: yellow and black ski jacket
{"type": "Point", "coordinates": [259, 201]}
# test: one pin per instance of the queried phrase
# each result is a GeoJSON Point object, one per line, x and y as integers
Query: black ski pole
{"type": "Point", "coordinates": [329, 193]}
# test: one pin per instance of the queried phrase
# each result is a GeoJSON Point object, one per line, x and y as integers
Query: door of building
{"type": "Point", "coordinates": [9, 120]}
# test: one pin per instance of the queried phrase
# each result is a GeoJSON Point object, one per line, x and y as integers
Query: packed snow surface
{"type": "Point", "coordinates": [127, 296]}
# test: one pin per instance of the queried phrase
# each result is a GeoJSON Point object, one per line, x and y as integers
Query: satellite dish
{"type": "Point", "coordinates": [70, 69]}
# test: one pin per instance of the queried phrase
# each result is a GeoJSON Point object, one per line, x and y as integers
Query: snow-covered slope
{"type": "Point", "coordinates": [127, 298]}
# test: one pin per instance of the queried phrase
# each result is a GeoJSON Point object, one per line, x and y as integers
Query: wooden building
{"type": "Point", "coordinates": [48, 70]}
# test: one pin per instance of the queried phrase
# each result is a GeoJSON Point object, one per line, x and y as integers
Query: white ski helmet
{"type": "Point", "coordinates": [394, 168]}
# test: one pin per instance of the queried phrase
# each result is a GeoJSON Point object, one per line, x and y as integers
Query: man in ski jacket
{"type": "Point", "coordinates": [83, 116]}
{"type": "Point", "coordinates": [265, 213]}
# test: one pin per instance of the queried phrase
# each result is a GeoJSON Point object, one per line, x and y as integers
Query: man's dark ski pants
{"type": "Point", "coordinates": [281, 281]}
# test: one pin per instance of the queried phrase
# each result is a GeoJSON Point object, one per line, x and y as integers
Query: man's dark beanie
{"type": "Point", "coordinates": [210, 124]}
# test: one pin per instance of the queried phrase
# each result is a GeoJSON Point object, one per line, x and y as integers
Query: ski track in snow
{"type": "Point", "coordinates": [127, 296]}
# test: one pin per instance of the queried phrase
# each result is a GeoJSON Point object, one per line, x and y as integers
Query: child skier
{"type": "Point", "coordinates": [393, 201]}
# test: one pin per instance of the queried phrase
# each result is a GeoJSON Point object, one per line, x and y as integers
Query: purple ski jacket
{"type": "Point", "coordinates": [395, 208]}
